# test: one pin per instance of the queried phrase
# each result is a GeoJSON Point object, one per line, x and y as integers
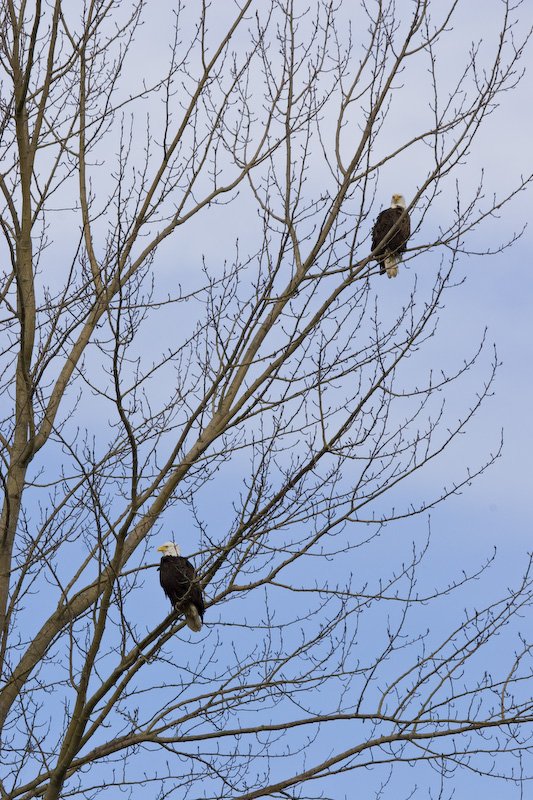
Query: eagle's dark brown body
{"type": "Point", "coordinates": [393, 246]}
{"type": "Point", "coordinates": [178, 579]}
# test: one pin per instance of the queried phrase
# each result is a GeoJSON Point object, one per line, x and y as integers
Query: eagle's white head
{"type": "Point", "coordinates": [169, 549]}
{"type": "Point", "coordinates": [398, 201]}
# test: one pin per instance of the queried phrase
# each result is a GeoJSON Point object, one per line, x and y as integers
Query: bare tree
{"type": "Point", "coordinates": [197, 343]}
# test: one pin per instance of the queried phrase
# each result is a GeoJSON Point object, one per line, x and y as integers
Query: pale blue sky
{"type": "Point", "coordinates": [497, 294]}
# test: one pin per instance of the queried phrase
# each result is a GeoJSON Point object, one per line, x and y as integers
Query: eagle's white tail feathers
{"type": "Point", "coordinates": [192, 617]}
{"type": "Point", "coordinates": [391, 265]}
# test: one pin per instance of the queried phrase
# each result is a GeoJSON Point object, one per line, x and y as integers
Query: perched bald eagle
{"type": "Point", "coordinates": [178, 579]}
{"type": "Point", "coordinates": [390, 248]}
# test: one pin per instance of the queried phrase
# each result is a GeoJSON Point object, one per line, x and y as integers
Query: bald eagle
{"type": "Point", "coordinates": [389, 249]}
{"type": "Point", "coordinates": [178, 579]}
